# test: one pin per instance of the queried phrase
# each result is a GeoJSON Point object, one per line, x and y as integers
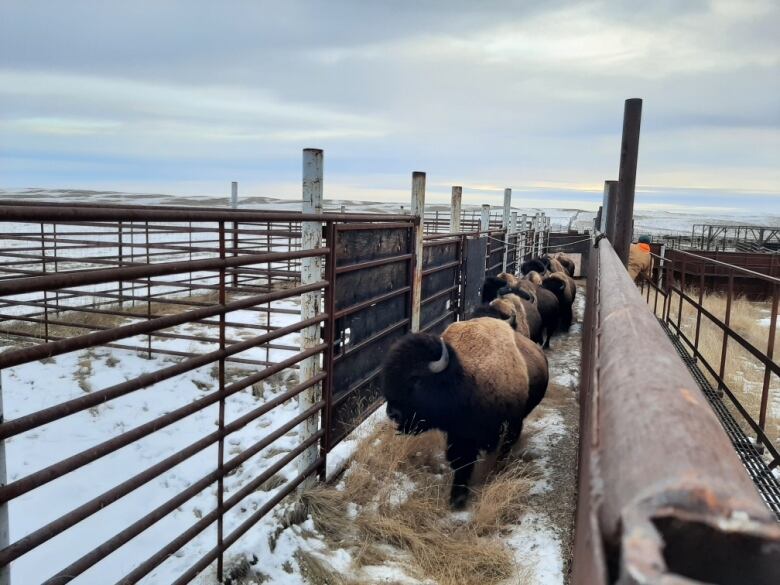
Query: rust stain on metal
{"type": "Point", "coordinates": [668, 498]}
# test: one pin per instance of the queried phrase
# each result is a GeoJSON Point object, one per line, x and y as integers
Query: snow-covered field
{"type": "Point", "coordinates": [72, 375]}
{"type": "Point", "coordinates": [652, 221]}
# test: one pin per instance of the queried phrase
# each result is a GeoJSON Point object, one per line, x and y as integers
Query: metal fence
{"type": "Point", "coordinates": [663, 496]}
{"type": "Point", "coordinates": [191, 291]}
{"type": "Point", "coordinates": [200, 310]}
{"type": "Point", "coordinates": [677, 292]}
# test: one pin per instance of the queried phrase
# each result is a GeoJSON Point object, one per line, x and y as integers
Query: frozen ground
{"type": "Point", "coordinates": [74, 374]}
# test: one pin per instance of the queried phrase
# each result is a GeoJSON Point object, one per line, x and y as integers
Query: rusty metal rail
{"type": "Point", "coordinates": [141, 280]}
{"type": "Point", "coordinates": [663, 498]}
{"type": "Point", "coordinates": [679, 283]}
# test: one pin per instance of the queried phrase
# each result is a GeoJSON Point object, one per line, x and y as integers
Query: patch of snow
{"type": "Point", "coordinates": [545, 432]}
{"type": "Point", "coordinates": [340, 455]}
{"type": "Point", "coordinates": [537, 548]}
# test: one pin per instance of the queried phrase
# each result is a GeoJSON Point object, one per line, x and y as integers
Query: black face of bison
{"type": "Point", "coordinates": [406, 418]}
{"type": "Point", "coordinates": [491, 288]}
{"type": "Point", "coordinates": [534, 265]}
{"type": "Point", "coordinates": [422, 391]}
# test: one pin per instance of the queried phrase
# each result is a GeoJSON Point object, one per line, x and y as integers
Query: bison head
{"type": "Point", "coordinates": [419, 382]}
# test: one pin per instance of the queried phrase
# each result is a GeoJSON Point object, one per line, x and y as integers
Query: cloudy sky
{"type": "Point", "coordinates": [183, 97]}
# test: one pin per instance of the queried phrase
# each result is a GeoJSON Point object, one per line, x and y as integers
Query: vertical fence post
{"type": "Point", "coordinates": [484, 229]}
{"type": "Point", "coordinates": [5, 570]}
{"type": "Point", "coordinates": [629, 152]}
{"type": "Point", "coordinates": [221, 416]}
{"type": "Point", "coordinates": [541, 234]}
{"type": "Point", "coordinates": [505, 224]}
{"type": "Point", "coordinates": [608, 214]}
{"type": "Point", "coordinates": [455, 202]}
{"type": "Point", "coordinates": [311, 272]}
{"type": "Point", "coordinates": [418, 211]}
{"type": "Point", "coordinates": [484, 220]}
{"type": "Point", "coordinates": [770, 353]}
{"type": "Point", "coordinates": [234, 205]}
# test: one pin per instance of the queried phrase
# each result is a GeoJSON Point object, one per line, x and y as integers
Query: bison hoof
{"type": "Point", "coordinates": [459, 499]}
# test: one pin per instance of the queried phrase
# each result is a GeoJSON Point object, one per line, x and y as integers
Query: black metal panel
{"type": "Point", "coordinates": [364, 334]}
{"type": "Point", "coordinates": [356, 246]}
{"type": "Point", "coordinates": [474, 252]}
{"type": "Point", "coordinates": [436, 301]}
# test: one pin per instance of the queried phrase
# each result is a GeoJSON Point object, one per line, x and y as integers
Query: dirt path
{"type": "Point", "coordinates": [550, 441]}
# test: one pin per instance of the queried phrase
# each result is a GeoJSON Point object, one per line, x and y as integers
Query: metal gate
{"type": "Point", "coordinates": [371, 271]}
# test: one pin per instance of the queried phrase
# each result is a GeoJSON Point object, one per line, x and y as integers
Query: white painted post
{"type": "Point", "coordinates": [513, 223]}
{"type": "Point", "coordinates": [311, 272]}
{"type": "Point", "coordinates": [455, 202]}
{"type": "Point", "coordinates": [418, 210]}
{"type": "Point", "coordinates": [5, 570]}
{"type": "Point", "coordinates": [505, 224]}
{"type": "Point", "coordinates": [234, 194]}
{"type": "Point", "coordinates": [507, 207]}
{"type": "Point", "coordinates": [484, 220]}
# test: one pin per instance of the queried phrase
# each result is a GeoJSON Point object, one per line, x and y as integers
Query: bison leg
{"type": "Point", "coordinates": [514, 428]}
{"type": "Point", "coordinates": [550, 330]}
{"type": "Point", "coordinates": [461, 457]}
{"type": "Point", "coordinates": [566, 317]}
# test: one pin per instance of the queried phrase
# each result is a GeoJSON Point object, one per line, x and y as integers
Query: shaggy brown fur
{"type": "Point", "coordinates": [567, 263]}
{"type": "Point", "coordinates": [534, 277]}
{"type": "Point", "coordinates": [564, 288]}
{"type": "Point", "coordinates": [528, 320]}
{"type": "Point", "coordinates": [555, 265]}
{"type": "Point", "coordinates": [472, 383]}
{"type": "Point", "coordinates": [512, 311]}
{"type": "Point", "coordinates": [546, 303]}
{"type": "Point", "coordinates": [501, 375]}
{"type": "Point", "coordinates": [538, 371]}
{"type": "Point", "coordinates": [510, 279]}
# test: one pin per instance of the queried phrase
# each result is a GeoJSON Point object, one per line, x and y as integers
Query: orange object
{"type": "Point", "coordinates": [645, 247]}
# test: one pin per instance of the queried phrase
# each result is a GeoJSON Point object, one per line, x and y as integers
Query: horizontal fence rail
{"type": "Point", "coordinates": [188, 321]}
{"type": "Point", "coordinates": [679, 294]}
{"type": "Point", "coordinates": [662, 494]}
{"type": "Point", "coordinates": [209, 302]}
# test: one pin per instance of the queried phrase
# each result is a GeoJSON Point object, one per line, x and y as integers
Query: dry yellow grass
{"type": "Point", "coordinates": [743, 373]}
{"type": "Point", "coordinates": [369, 513]}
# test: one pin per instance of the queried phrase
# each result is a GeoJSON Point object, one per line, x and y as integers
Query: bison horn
{"type": "Point", "coordinates": [441, 364]}
{"type": "Point", "coordinates": [512, 319]}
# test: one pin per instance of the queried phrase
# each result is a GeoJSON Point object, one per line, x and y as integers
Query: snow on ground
{"type": "Point", "coordinates": [75, 374]}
